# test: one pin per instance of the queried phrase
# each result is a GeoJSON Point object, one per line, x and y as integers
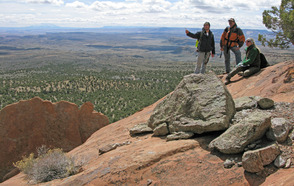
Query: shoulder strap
{"type": "Point", "coordinates": [201, 34]}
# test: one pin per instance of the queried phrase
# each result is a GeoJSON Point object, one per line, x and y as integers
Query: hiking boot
{"type": "Point", "coordinates": [227, 81]}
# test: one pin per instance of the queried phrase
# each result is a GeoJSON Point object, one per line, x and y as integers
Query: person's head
{"type": "Point", "coordinates": [206, 25]}
{"type": "Point", "coordinates": [249, 42]}
{"type": "Point", "coordinates": [232, 22]}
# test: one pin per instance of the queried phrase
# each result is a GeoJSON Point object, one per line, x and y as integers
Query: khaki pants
{"type": "Point", "coordinates": [203, 58]}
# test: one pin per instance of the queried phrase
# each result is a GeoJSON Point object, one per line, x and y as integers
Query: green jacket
{"type": "Point", "coordinates": [252, 57]}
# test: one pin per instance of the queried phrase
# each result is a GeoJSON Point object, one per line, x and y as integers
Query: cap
{"type": "Point", "coordinates": [232, 19]}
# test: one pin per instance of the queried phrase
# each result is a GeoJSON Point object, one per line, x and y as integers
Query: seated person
{"type": "Point", "coordinates": [250, 64]}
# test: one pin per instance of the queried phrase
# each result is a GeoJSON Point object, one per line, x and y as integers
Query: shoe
{"type": "Point", "coordinates": [227, 81]}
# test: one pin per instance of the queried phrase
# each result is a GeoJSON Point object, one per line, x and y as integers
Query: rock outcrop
{"type": "Point", "coordinates": [200, 103]}
{"type": "Point", "coordinates": [237, 137]}
{"type": "Point", "coordinates": [145, 159]}
{"type": "Point", "coordinates": [29, 124]}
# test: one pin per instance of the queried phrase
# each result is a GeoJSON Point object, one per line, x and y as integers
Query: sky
{"type": "Point", "coordinates": [149, 13]}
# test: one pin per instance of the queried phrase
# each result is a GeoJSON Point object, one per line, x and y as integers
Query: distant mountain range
{"type": "Point", "coordinates": [171, 31]}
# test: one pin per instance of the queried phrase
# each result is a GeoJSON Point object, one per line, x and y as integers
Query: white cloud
{"type": "Point", "coordinates": [54, 2]}
{"type": "Point", "coordinates": [90, 13]}
{"type": "Point", "coordinates": [225, 6]}
{"type": "Point", "coordinates": [107, 5]}
{"type": "Point", "coordinates": [77, 4]}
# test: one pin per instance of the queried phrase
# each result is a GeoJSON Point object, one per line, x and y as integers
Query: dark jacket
{"type": "Point", "coordinates": [252, 57]}
{"type": "Point", "coordinates": [207, 42]}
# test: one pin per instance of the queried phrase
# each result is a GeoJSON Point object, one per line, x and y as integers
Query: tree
{"type": "Point", "coordinates": [281, 22]}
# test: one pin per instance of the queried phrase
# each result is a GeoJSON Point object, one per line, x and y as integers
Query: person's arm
{"type": "Point", "coordinates": [241, 38]}
{"type": "Point", "coordinates": [222, 39]}
{"type": "Point", "coordinates": [251, 57]}
{"type": "Point", "coordinates": [195, 36]}
{"type": "Point", "coordinates": [213, 46]}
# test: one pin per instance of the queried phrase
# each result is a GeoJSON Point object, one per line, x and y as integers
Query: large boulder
{"type": "Point", "coordinates": [237, 137]}
{"type": "Point", "coordinates": [200, 103]}
{"type": "Point", "coordinates": [29, 124]}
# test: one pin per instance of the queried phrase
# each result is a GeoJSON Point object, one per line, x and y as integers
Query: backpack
{"type": "Point", "coordinates": [263, 61]}
{"type": "Point", "coordinates": [198, 41]}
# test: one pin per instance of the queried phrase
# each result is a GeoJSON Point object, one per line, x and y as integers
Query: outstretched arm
{"type": "Point", "coordinates": [195, 36]}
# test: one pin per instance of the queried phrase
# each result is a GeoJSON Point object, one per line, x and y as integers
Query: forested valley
{"type": "Point", "coordinates": [119, 72]}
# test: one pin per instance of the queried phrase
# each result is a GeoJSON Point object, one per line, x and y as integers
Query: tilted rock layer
{"type": "Point", "coordinates": [29, 124]}
{"type": "Point", "coordinates": [275, 82]}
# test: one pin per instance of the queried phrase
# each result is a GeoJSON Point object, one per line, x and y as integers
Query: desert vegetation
{"type": "Point", "coordinates": [49, 164]}
{"type": "Point", "coordinates": [117, 95]}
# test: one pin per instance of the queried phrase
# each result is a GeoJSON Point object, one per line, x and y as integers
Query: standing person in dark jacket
{"type": "Point", "coordinates": [250, 64]}
{"type": "Point", "coordinates": [232, 39]}
{"type": "Point", "coordinates": [205, 47]}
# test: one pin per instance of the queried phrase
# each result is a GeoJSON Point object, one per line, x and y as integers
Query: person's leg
{"type": "Point", "coordinates": [227, 59]}
{"type": "Point", "coordinates": [237, 53]}
{"type": "Point", "coordinates": [251, 71]}
{"type": "Point", "coordinates": [205, 61]}
{"type": "Point", "coordinates": [234, 72]}
{"type": "Point", "coordinates": [199, 62]}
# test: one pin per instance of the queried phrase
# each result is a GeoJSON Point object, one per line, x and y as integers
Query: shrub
{"type": "Point", "coordinates": [54, 164]}
{"type": "Point", "coordinates": [25, 165]}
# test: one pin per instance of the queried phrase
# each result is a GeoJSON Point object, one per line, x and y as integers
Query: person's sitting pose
{"type": "Point", "coordinates": [250, 64]}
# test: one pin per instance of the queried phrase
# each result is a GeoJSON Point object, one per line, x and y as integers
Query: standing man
{"type": "Point", "coordinates": [232, 39]}
{"type": "Point", "coordinates": [205, 47]}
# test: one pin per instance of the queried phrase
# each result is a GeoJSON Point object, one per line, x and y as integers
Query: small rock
{"type": "Point", "coordinates": [149, 182]}
{"type": "Point", "coordinates": [280, 161]}
{"type": "Point", "coordinates": [288, 163]}
{"type": "Point", "coordinates": [228, 164]}
{"type": "Point", "coordinates": [253, 161]}
{"type": "Point", "coordinates": [161, 130]}
{"type": "Point", "coordinates": [265, 103]}
{"type": "Point", "coordinates": [141, 128]}
{"type": "Point", "coordinates": [107, 148]}
{"type": "Point", "coordinates": [239, 164]}
{"type": "Point", "coordinates": [179, 135]}
{"type": "Point", "coordinates": [244, 103]}
{"type": "Point", "coordinates": [279, 130]}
